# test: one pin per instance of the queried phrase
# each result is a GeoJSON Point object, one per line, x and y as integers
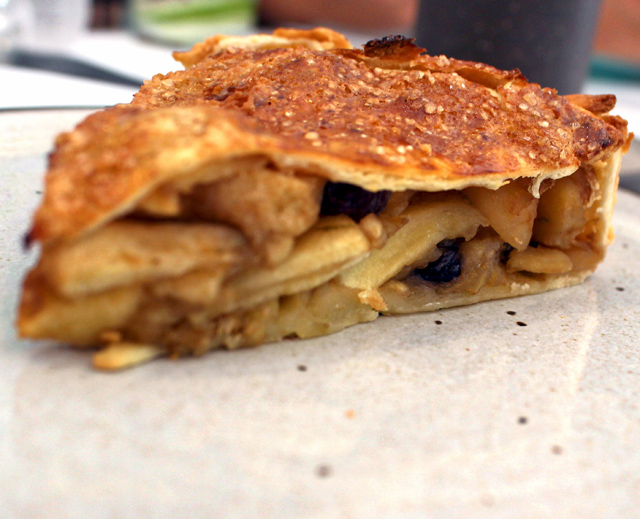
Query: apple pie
{"type": "Point", "coordinates": [288, 185]}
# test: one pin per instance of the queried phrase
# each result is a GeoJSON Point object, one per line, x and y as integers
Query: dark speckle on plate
{"type": "Point", "coordinates": [323, 471]}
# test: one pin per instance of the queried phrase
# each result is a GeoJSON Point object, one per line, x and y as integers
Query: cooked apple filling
{"type": "Point", "coordinates": [219, 264]}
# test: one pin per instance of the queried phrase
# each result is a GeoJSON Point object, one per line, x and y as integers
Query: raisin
{"type": "Point", "coordinates": [447, 267]}
{"type": "Point", "coordinates": [355, 202]}
{"type": "Point", "coordinates": [505, 252]}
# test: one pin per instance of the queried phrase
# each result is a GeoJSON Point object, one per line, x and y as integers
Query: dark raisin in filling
{"type": "Point", "coordinates": [447, 267]}
{"type": "Point", "coordinates": [355, 202]}
{"type": "Point", "coordinates": [505, 252]}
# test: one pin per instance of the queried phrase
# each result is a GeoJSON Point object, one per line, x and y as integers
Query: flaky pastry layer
{"type": "Point", "coordinates": [387, 117]}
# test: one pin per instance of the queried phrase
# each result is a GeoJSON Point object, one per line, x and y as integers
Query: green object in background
{"type": "Point", "coordinates": [185, 22]}
{"type": "Point", "coordinates": [604, 67]}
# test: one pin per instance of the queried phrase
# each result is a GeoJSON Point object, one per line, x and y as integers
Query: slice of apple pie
{"type": "Point", "coordinates": [288, 185]}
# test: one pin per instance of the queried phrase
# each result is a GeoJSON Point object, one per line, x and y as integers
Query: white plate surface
{"type": "Point", "coordinates": [402, 418]}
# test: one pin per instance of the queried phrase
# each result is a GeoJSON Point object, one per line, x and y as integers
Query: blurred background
{"type": "Point", "coordinates": [123, 42]}
{"type": "Point", "coordinates": [183, 22]}
{"type": "Point", "coordinates": [617, 35]}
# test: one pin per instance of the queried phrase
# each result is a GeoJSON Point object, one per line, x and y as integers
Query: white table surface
{"type": "Point", "coordinates": [400, 418]}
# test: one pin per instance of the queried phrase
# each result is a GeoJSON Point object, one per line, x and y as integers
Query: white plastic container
{"type": "Point", "coordinates": [58, 23]}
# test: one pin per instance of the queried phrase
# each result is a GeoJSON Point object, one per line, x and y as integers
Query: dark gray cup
{"type": "Point", "coordinates": [548, 40]}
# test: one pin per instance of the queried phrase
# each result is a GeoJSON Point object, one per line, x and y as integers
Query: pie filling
{"type": "Point", "coordinates": [267, 254]}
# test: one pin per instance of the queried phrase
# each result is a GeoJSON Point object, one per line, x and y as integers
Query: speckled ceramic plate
{"type": "Point", "coordinates": [527, 407]}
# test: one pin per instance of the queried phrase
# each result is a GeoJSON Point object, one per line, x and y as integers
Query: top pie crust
{"type": "Point", "coordinates": [388, 118]}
